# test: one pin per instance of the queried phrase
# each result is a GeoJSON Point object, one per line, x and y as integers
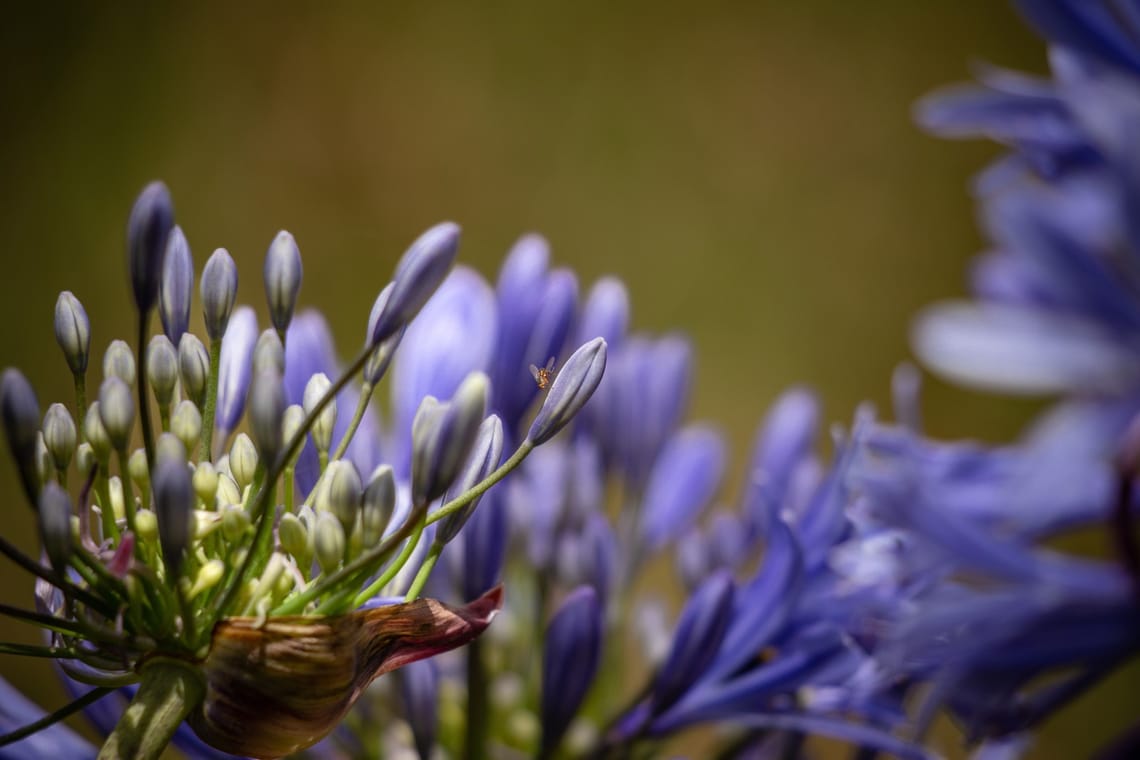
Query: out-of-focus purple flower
{"type": "Point", "coordinates": [235, 368]}
{"type": "Point", "coordinates": [419, 687]}
{"type": "Point", "coordinates": [605, 313]}
{"type": "Point", "coordinates": [571, 653]}
{"type": "Point", "coordinates": [783, 443]}
{"type": "Point", "coordinates": [148, 228]}
{"type": "Point", "coordinates": [484, 545]}
{"type": "Point", "coordinates": [419, 272]}
{"type": "Point", "coordinates": [684, 479]}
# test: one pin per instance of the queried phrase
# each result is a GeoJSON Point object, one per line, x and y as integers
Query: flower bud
{"type": "Point", "coordinates": [294, 537]}
{"type": "Point", "coordinates": [383, 354]}
{"type": "Point", "coordinates": [60, 435]}
{"type": "Point", "coordinates": [324, 424]}
{"type": "Point", "coordinates": [378, 504]}
{"type": "Point", "coordinates": [205, 482]}
{"type": "Point", "coordinates": [73, 331]}
{"type": "Point", "coordinates": [235, 522]}
{"type": "Point", "coordinates": [119, 361]}
{"type": "Point", "coordinates": [96, 433]}
{"type": "Point", "coordinates": [571, 652]}
{"type": "Point", "coordinates": [209, 575]}
{"type": "Point", "coordinates": [186, 423]}
{"type": "Point", "coordinates": [235, 368]}
{"type": "Point", "coordinates": [420, 271]}
{"type": "Point", "coordinates": [268, 353]}
{"type": "Point", "coordinates": [266, 414]}
{"type": "Point", "coordinates": [162, 369]}
{"type": "Point", "coordinates": [228, 493]}
{"type": "Point", "coordinates": [328, 542]}
{"type": "Point", "coordinates": [137, 468]}
{"type": "Point", "coordinates": [482, 461]}
{"type": "Point", "coordinates": [282, 279]}
{"type": "Point", "coordinates": [571, 389]}
{"type": "Point", "coordinates": [218, 290]}
{"type": "Point", "coordinates": [243, 460]}
{"type": "Point", "coordinates": [684, 479]}
{"type": "Point", "coordinates": [291, 421]}
{"type": "Point", "coordinates": [342, 493]}
{"type": "Point", "coordinates": [118, 500]}
{"type": "Point", "coordinates": [194, 368]}
{"type": "Point", "coordinates": [85, 459]}
{"type": "Point", "coordinates": [146, 525]}
{"type": "Point", "coordinates": [419, 689]}
{"type": "Point", "coordinates": [21, 417]}
{"type": "Point", "coordinates": [177, 286]}
{"type": "Point", "coordinates": [148, 229]}
{"type": "Point", "coordinates": [44, 465]}
{"type": "Point", "coordinates": [54, 515]}
{"type": "Point", "coordinates": [442, 441]}
{"type": "Point", "coordinates": [484, 546]}
{"type": "Point", "coordinates": [117, 411]}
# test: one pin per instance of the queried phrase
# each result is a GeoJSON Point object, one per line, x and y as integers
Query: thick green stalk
{"type": "Point", "coordinates": [168, 691]}
{"type": "Point", "coordinates": [394, 568]}
{"type": "Point", "coordinates": [205, 452]}
{"type": "Point", "coordinates": [81, 402]}
{"type": "Point", "coordinates": [424, 572]}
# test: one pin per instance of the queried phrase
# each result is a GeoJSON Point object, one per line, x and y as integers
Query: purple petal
{"type": "Point", "coordinates": [684, 480]}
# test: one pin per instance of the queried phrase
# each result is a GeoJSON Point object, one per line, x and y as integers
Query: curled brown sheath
{"type": "Point", "coordinates": [278, 687]}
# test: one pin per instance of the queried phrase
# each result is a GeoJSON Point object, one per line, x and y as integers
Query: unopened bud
{"type": "Point", "coordinates": [442, 440]}
{"type": "Point", "coordinates": [323, 425]}
{"type": "Point", "coordinates": [343, 493]}
{"type": "Point", "coordinates": [152, 218]}
{"type": "Point", "coordinates": [146, 525]}
{"type": "Point", "coordinates": [282, 279]}
{"type": "Point", "coordinates": [228, 493]}
{"type": "Point", "coordinates": [218, 290]}
{"type": "Point", "coordinates": [420, 271]}
{"type": "Point", "coordinates": [571, 389]}
{"type": "Point", "coordinates": [205, 483]}
{"type": "Point", "coordinates": [482, 461]}
{"type": "Point", "coordinates": [73, 331]}
{"type": "Point", "coordinates": [382, 355]}
{"type": "Point", "coordinates": [294, 536]}
{"type": "Point", "coordinates": [60, 435]}
{"type": "Point", "coordinates": [291, 421]}
{"type": "Point", "coordinates": [119, 361]}
{"type": "Point", "coordinates": [268, 353]}
{"type": "Point", "coordinates": [208, 576]}
{"type": "Point", "coordinates": [235, 522]}
{"type": "Point", "coordinates": [137, 467]}
{"type": "Point", "coordinates": [55, 524]}
{"type": "Point", "coordinates": [243, 460]}
{"type": "Point", "coordinates": [117, 410]}
{"type": "Point", "coordinates": [96, 433]}
{"type": "Point", "coordinates": [20, 413]}
{"type": "Point", "coordinates": [186, 423]}
{"type": "Point", "coordinates": [377, 505]}
{"type": "Point", "coordinates": [162, 369]}
{"type": "Point", "coordinates": [328, 542]}
{"type": "Point", "coordinates": [194, 368]}
{"type": "Point", "coordinates": [44, 465]}
{"type": "Point", "coordinates": [85, 459]}
{"type": "Point", "coordinates": [177, 286]}
{"type": "Point", "coordinates": [267, 405]}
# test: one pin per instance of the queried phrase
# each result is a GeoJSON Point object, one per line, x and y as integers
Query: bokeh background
{"type": "Point", "coordinates": [749, 169]}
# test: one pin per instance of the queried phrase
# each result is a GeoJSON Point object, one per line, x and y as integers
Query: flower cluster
{"type": "Point", "coordinates": [257, 585]}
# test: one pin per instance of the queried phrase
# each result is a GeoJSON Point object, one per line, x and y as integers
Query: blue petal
{"type": "Point", "coordinates": [571, 653]}
{"type": "Point", "coordinates": [53, 743]}
{"type": "Point", "coordinates": [685, 477]}
{"type": "Point", "coordinates": [1087, 27]}
{"type": "Point", "coordinates": [234, 368]}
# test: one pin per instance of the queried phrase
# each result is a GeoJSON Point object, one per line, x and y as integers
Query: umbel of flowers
{"type": "Point", "coordinates": [179, 554]}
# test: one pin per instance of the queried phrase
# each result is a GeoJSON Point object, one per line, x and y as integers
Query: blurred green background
{"type": "Point", "coordinates": [749, 169]}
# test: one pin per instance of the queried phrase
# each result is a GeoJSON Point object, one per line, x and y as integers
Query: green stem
{"type": "Point", "coordinates": [205, 451]}
{"type": "Point", "coordinates": [54, 717]}
{"type": "Point", "coordinates": [38, 570]}
{"type": "Point", "coordinates": [425, 571]}
{"type": "Point", "coordinates": [357, 417]}
{"type": "Point", "coordinates": [106, 509]}
{"type": "Point", "coordinates": [144, 402]}
{"type": "Point", "coordinates": [129, 500]}
{"type": "Point", "coordinates": [81, 401]}
{"type": "Point", "coordinates": [482, 486]}
{"type": "Point", "coordinates": [475, 740]}
{"type": "Point", "coordinates": [31, 650]}
{"type": "Point", "coordinates": [391, 571]}
{"type": "Point", "coordinates": [168, 691]}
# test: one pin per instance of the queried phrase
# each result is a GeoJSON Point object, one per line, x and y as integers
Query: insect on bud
{"type": "Point", "coordinates": [194, 368]}
{"type": "Point", "coordinates": [186, 423]}
{"type": "Point", "coordinates": [148, 229]}
{"type": "Point", "coordinates": [162, 369]}
{"type": "Point", "coordinates": [55, 525]}
{"type": "Point", "coordinates": [119, 361]}
{"type": "Point", "coordinates": [570, 391]}
{"type": "Point", "coordinates": [177, 286]}
{"type": "Point", "coordinates": [282, 279]}
{"type": "Point", "coordinates": [323, 425]}
{"type": "Point", "coordinates": [218, 290]}
{"type": "Point", "coordinates": [117, 411]}
{"type": "Point", "coordinates": [420, 271]}
{"type": "Point", "coordinates": [60, 435]}
{"type": "Point", "coordinates": [73, 331]}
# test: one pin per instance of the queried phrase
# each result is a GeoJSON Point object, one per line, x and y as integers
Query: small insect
{"type": "Point", "coordinates": [543, 376]}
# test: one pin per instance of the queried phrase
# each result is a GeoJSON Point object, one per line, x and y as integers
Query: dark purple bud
{"type": "Point", "coordinates": [605, 313]}
{"type": "Point", "coordinates": [684, 480]}
{"type": "Point", "coordinates": [73, 331]}
{"type": "Point", "coordinates": [419, 687]}
{"type": "Point", "coordinates": [177, 286]}
{"type": "Point", "coordinates": [699, 634]}
{"type": "Point", "coordinates": [218, 290]}
{"type": "Point", "coordinates": [420, 271]}
{"type": "Point", "coordinates": [151, 220]}
{"type": "Point", "coordinates": [282, 279]}
{"type": "Point", "coordinates": [570, 658]}
{"type": "Point", "coordinates": [572, 388]}
{"type": "Point", "coordinates": [235, 367]}
{"type": "Point", "coordinates": [173, 501]}
{"type": "Point", "coordinates": [598, 548]}
{"type": "Point", "coordinates": [442, 437]}
{"type": "Point", "coordinates": [267, 405]}
{"type": "Point", "coordinates": [481, 462]}
{"type": "Point", "coordinates": [55, 524]}
{"type": "Point", "coordinates": [383, 354]}
{"type": "Point", "coordinates": [484, 541]}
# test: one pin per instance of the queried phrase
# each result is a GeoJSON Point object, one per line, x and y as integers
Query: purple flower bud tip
{"type": "Point", "coordinates": [73, 331]}
{"type": "Point", "coordinates": [152, 218]}
{"type": "Point", "coordinates": [571, 389]}
{"type": "Point", "coordinates": [218, 290]}
{"type": "Point", "coordinates": [173, 500]}
{"type": "Point", "coordinates": [419, 273]}
{"type": "Point", "coordinates": [282, 279]}
{"type": "Point", "coordinates": [177, 286]}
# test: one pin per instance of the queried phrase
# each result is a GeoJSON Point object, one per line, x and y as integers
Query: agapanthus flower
{"type": "Point", "coordinates": [224, 572]}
